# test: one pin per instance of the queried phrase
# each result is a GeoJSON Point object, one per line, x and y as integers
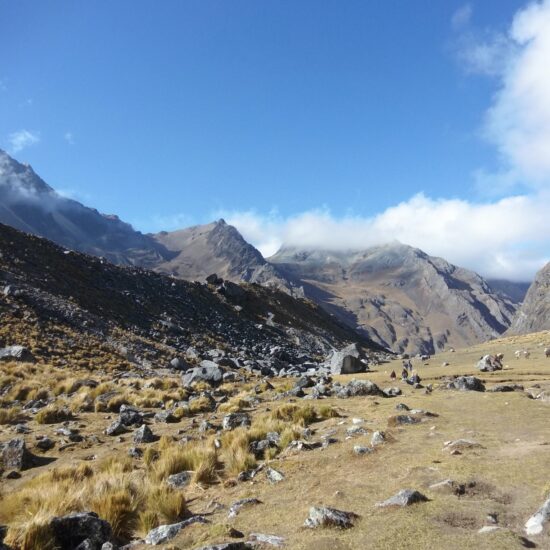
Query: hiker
{"type": "Point", "coordinates": [393, 376]}
{"type": "Point", "coordinates": [404, 374]}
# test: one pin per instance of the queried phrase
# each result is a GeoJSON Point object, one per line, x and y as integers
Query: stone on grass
{"type": "Point", "coordinates": [144, 435]}
{"type": "Point", "coordinates": [320, 516]}
{"type": "Point", "coordinates": [181, 479]}
{"type": "Point", "coordinates": [362, 450]}
{"type": "Point", "coordinates": [164, 533]}
{"type": "Point", "coordinates": [208, 372]}
{"type": "Point", "coordinates": [537, 522]}
{"type": "Point", "coordinates": [274, 476]}
{"type": "Point", "coordinates": [235, 420]}
{"type": "Point", "coordinates": [20, 354]}
{"type": "Point", "coordinates": [466, 383]}
{"type": "Point", "coordinates": [15, 455]}
{"type": "Point", "coordinates": [115, 428]}
{"type": "Point", "coordinates": [243, 503]}
{"type": "Point", "coordinates": [405, 497]}
{"type": "Point", "coordinates": [272, 540]}
{"type": "Point", "coordinates": [82, 530]}
{"type": "Point", "coordinates": [378, 438]}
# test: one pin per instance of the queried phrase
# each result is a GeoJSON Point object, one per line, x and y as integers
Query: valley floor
{"type": "Point", "coordinates": [504, 476]}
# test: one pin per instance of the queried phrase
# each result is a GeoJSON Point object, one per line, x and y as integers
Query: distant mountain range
{"type": "Point", "coordinates": [394, 294]}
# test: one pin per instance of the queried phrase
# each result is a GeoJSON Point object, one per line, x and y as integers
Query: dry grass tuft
{"type": "Point", "coordinates": [52, 414]}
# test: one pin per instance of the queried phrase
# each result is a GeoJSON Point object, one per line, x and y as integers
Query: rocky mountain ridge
{"type": "Point", "coordinates": [534, 313]}
{"type": "Point", "coordinates": [400, 296]}
{"type": "Point", "coordinates": [28, 203]}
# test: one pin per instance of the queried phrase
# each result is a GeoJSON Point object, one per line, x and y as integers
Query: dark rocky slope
{"type": "Point", "coordinates": [151, 317]}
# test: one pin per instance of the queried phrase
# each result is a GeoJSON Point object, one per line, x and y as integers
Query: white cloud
{"type": "Point", "coordinates": [518, 121]}
{"type": "Point", "coordinates": [69, 138]}
{"type": "Point", "coordinates": [461, 17]}
{"type": "Point", "coordinates": [509, 238]}
{"type": "Point", "coordinates": [22, 139]}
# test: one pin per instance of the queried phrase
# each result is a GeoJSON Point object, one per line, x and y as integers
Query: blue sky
{"type": "Point", "coordinates": [170, 113]}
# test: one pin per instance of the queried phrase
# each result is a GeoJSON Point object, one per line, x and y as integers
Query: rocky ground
{"type": "Point", "coordinates": [301, 462]}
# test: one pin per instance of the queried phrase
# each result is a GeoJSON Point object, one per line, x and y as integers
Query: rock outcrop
{"type": "Point", "coordinates": [534, 314]}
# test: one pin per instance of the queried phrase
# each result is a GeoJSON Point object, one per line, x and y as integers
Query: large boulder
{"type": "Point", "coordinates": [15, 455]}
{"type": "Point", "coordinates": [466, 383]}
{"type": "Point", "coordinates": [208, 372]}
{"type": "Point", "coordinates": [84, 530]}
{"type": "Point", "coordinates": [347, 361]}
{"type": "Point", "coordinates": [320, 516]}
{"type": "Point", "coordinates": [17, 353]}
{"type": "Point", "coordinates": [356, 388]}
{"type": "Point", "coordinates": [489, 363]}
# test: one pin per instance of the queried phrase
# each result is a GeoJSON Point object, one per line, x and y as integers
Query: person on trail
{"type": "Point", "coordinates": [404, 374]}
{"type": "Point", "coordinates": [393, 376]}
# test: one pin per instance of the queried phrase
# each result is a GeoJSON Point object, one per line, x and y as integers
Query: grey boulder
{"type": "Point", "coordinates": [82, 530]}
{"type": "Point", "coordinates": [235, 420]}
{"type": "Point", "coordinates": [208, 372]}
{"type": "Point", "coordinates": [347, 361]}
{"type": "Point", "coordinates": [320, 516]}
{"type": "Point", "coordinates": [164, 533]}
{"type": "Point", "coordinates": [21, 354]}
{"type": "Point", "coordinates": [405, 497]}
{"type": "Point", "coordinates": [15, 455]}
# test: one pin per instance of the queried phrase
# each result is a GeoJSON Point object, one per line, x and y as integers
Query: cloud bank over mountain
{"type": "Point", "coordinates": [507, 237]}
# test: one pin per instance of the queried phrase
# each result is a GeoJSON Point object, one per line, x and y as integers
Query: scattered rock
{"type": "Point", "coordinates": [401, 419]}
{"type": "Point", "coordinates": [489, 363]}
{"type": "Point", "coordinates": [461, 445]}
{"type": "Point", "coordinates": [144, 435]}
{"type": "Point", "coordinates": [361, 450]}
{"type": "Point", "coordinates": [235, 420]}
{"type": "Point", "coordinates": [115, 428]}
{"type": "Point", "coordinates": [208, 372]}
{"type": "Point", "coordinates": [356, 388]}
{"type": "Point", "coordinates": [15, 455]}
{"type": "Point", "coordinates": [320, 516]}
{"type": "Point", "coordinates": [506, 388]}
{"type": "Point", "coordinates": [537, 522]}
{"type": "Point", "coordinates": [181, 479]}
{"type": "Point", "coordinates": [17, 353]}
{"type": "Point", "coordinates": [166, 417]}
{"type": "Point", "coordinates": [274, 476]}
{"type": "Point", "coordinates": [272, 540]}
{"type": "Point", "coordinates": [378, 438]}
{"type": "Point", "coordinates": [84, 530]}
{"type": "Point", "coordinates": [405, 497]}
{"type": "Point", "coordinates": [237, 506]}
{"type": "Point", "coordinates": [45, 444]}
{"type": "Point", "coordinates": [466, 383]}
{"type": "Point", "coordinates": [164, 533]}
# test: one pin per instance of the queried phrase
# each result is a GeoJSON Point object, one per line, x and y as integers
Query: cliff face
{"type": "Point", "coordinates": [534, 314]}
